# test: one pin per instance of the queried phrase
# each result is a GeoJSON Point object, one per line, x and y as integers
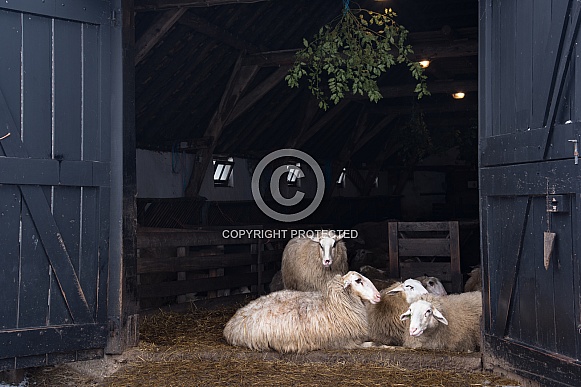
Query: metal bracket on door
{"type": "Point", "coordinates": [575, 151]}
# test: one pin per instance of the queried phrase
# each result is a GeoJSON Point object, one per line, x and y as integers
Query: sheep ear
{"type": "Point", "coordinates": [406, 315]}
{"type": "Point", "coordinates": [315, 238]}
{"type": "Point", "coordinates": [347, 280]}
{"type": "Point", "coordinates": [438, 315]}
{"type": "Point", "coordinates": [397, 289]}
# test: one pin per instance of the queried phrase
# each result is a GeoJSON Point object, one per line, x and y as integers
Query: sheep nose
{"type": "Point", "coordinates": [377, 297]}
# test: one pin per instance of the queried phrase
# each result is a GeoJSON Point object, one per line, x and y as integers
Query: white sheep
{"type": "Point", "coordinates": [433, 285]}
{"type": "Point", "coordinates": [412, 289]}
{"type": "Point", "coordinates": [309, 262]}
{"type": "Point", "coordinates": [474, 282]}
{"type": "Point", "coordinates": [385, 325]}
{"type": "Point", "coordinates": [446, 323]}
{"type": "Point", "coordinates": [295, 321]}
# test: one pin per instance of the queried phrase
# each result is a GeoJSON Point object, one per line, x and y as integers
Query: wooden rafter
{"type": "Point", "coordinates": [202, 26]}
{"type": "Point", "coordinates": [422, 50]}
{"type": "Point", "coordinates": [257, 93]}
{"type": "Point", "coordinates": [326, 118]}
{"type": "Point", "coordinates": [239, 80]}
{"type": "Point", "coordinates": [394, 113]}
{"type": "Point", "coordinates": [156, 31]}
{"type": "Point", "coordinates": [269, 118]}
{"type": "Point", "coordinates": [154, 5]}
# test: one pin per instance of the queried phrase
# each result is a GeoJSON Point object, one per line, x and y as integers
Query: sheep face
{"type": "Point", "coordinates": [361, 286]}
{"type": "Point", "coordinates": [433, 285]}
{"type": "Point", "coordinates": [327, 242]}
{"type": "Point", "coordinates": [422, 316]}
{"type": "Point", "coordinates": [412, 289]}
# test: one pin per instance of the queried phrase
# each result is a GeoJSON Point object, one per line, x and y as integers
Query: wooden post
{"type": "Point", "coordinates": [393, 249]}
{"type": "Point", "coordinates": [181, 252]}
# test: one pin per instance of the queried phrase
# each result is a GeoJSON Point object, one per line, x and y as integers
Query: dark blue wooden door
{"type": "Point", "coordinates": [530, 179]}
{"type": "Point", "coordinates": [54, 180]}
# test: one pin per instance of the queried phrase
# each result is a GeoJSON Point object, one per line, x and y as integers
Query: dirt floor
{"type": "Point", "coordinates": [187, 349]}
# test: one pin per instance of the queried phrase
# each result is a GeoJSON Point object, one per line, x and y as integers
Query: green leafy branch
{"type": "Point", "coordinates": [353, 51]}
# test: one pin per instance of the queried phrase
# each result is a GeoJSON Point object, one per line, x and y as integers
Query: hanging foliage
{"type": "Point", "coordinates": [350, 53]}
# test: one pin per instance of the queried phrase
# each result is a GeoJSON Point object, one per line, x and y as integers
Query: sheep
{"type": "Point", "coordinates": [276, 282]}
{"type": "Point", "coordinates": [412, 289]}
{"type": "Point", "coordinates": [293, 321]}
{"type": "Point", "coordinates": [433, 285]}
{"type": "Point", "coordinates": [385, 326]}
{"type": "Point", "coordinates": [379, 277]}
{"type": "Point", "coordinates": [309, 262]}
{"type": "Point", "coordinates": [474, 282]}
{"type": "Point", "coordinates": [446, 323]}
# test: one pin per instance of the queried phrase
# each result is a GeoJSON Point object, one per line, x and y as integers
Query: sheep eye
{"type": "Point", "coordinates": [410, 287]}
{"type": "Point", "coordinates": [358, 280]}
{"type": "Point", "coordinates": [428, 312]}
{"type": "Point", "coordinates": [431, 283]}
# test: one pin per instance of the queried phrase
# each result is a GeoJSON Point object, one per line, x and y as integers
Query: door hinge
{"type": "Point", "coordinates": [115, 16]}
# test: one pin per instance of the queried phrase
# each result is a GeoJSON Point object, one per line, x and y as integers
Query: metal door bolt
{"type": "Point", "coordinates": [575, 151]}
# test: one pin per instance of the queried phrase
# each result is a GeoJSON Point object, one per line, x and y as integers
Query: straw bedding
{"type": "Point", "coordinates": [188, 349]}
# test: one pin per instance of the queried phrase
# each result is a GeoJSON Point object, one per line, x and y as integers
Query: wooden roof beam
{"type": "Point", "coordinates": [438, 87]}
{"type": "Point", "coordinates": [422, 50]}
{"type": "Point", "coordinates": [257, 93]}
{"type": "Point", "coordinates": [239, 80]}
{"type": "Point", "coordinates": [155, 32]}
{"type": "Point", "coordinates": [202, 26]}
{"type": "Point", "coordinates": [321, 123]}
{"type": "Point", "coordinates": [156, 5]}
{"type": "Point", "coordinates": [394, 113]}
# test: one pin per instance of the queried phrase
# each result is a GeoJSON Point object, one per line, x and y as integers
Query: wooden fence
{"type": "Point", "coordinates": [178, 266]}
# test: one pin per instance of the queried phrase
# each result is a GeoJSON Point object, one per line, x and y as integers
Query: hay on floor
{"type": "Point", "coordinates": [188, 349]}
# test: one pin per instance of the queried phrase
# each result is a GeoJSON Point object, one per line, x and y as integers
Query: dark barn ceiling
{"type": "Point", "coordinates": [211, 73]}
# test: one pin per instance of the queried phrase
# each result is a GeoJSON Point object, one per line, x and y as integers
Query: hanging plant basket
{"type": "Point", "coordinates": [350, 53]}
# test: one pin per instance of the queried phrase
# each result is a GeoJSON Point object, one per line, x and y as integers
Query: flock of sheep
{"type": "Point", "coordinates": [325, 306]}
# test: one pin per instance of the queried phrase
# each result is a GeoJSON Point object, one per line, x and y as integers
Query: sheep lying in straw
{"type": "Point", "coordinates": [433, 285]}
{"type": "Point", "coordinates": [385, 326]}
{"type": "Point", "coordinates": [294, 321]}
{"type": "Point", "coordinates": [448, 323]}
{"type": "Point", "coordinates": [309, 262]}
{"type": "Point", "coordinates": [474, 282]}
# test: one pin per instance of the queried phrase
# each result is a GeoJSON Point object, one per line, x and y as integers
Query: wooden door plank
{"type": "Point", "coordinates": [48, 231]}
{"type": "Point", "coordinates": [567, 44]}
{"type": "Point", "coordinates": [511, 257]}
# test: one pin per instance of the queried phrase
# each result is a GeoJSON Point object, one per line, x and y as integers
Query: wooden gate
{"type": "Point", "coordinates": [530, 181]}
{"type": "Point", "coordinates": [55, 155]}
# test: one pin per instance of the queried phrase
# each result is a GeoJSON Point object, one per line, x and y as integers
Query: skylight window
{"type": "Point", "coordinates": [223, 168]}
{"type": "Point", "coordinates": [294, 175]}
{"type": "Point", "coordinates": [341, 180]}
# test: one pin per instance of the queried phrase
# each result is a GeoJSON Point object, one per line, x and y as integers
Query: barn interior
{"type": "Point", "coordinates": [210, 90]}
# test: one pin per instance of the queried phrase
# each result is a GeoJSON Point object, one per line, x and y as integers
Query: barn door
{"type": "Point", "coordinates": [530, 182]}
{"type": "Point", "coordinates": [54, 180]}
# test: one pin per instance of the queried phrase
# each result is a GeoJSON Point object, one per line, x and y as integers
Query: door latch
{"type": "Point", "coordinates": [557, 203]}
{"type": "Point", "coordinates": [575, 151]}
